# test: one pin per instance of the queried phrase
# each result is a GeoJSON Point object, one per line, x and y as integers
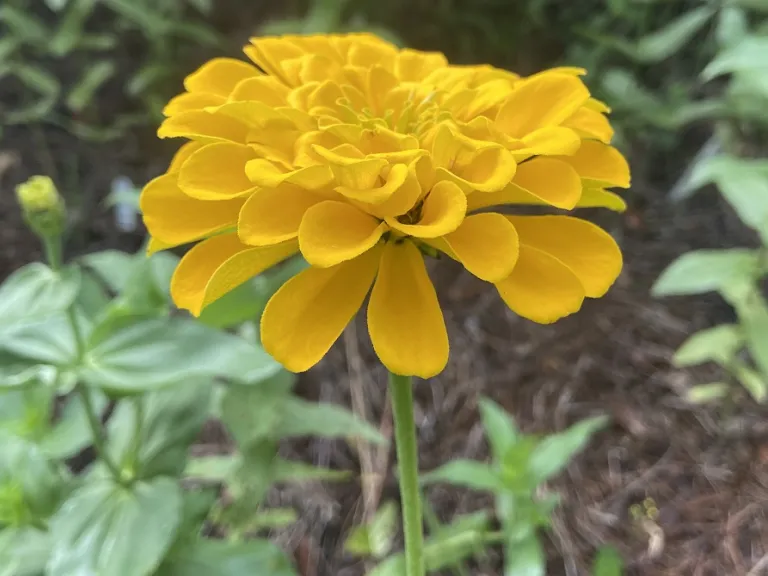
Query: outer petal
{"type": "Point", "coordinates": [217, 172]}
{"type": "Point", "coordinates": [404, 317]}
{"type": "Point", "coordinates": [587, 250]}
{"type": "Point", "coordinates": [549, 141]}
{"type": "Point", "coordinates": [601, 164]}
{"type": "Point", "coordinates": [265, 173]}
{"type": "Point", "coordinates": [173, 218]}
{"type": "Point", "coordinates": [265, 89]}
{"type": "Point", "coordinates": [306, 316]}
{"type": "Point", "coordinates": [542, 100]}
{"type": "Point", "coordinates": [269, 54]}
{"type": "Point", "coordinates": [541, 288]}
{"type": "Point", "coordinates": [219, 76]}
{"type": "Point", "coordinates": [332, 232]}
{"type": "Point", "coordinates": [273, 215]}
{"type": "Point", "coordinates": [219, 264]}
{"type": "Point", "coordinates": [599, 198]}
{"type": "Point", "coordinates": [486, 244]}
{"type": "Point", "coordinates": [203, 126]}
{"type": "Point", "coordinates": [184, 152]}
{"type": "Point", "coordinates": [190, 101]}
{"type": "Point", "coordinates": [590, 124]}
{"type": "Point", "coordinates": [541, 180]}
{"type": "Point", "coordinates": [443, 210]}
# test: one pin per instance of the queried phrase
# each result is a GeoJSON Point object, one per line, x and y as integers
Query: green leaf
{"type": "Point", "coordinates": [703, 271]}
{"type": "Point", "coordinates": [22, 24]}
{"type": "Point", "coordinates": [753, 315]}
{"type": "Point", "coordinates": [113, 267]}
{"type": "Point", "coordinates": [26, 412]}
{"type": "Point", "coordinates": [296, 471]}
{"type": "Point", "coordinates": [752, 381]}
{"type": "Point", "coordinates": [70, 29]}
{"type": "Point", "coordinates": [555, 451]}
{"type": "Point", "coordinates": [302, 418]}
{"type": "Point", "coordinates": [608, 562]}
{"type": "Point", "coordinates": [92, 299]}
{"type": "Point", "coordinates": [105, 529]}
{"type": "Point", "coordinates": [219, 558]}
{"type": "Point", "coordinates": [147, 77]}
{"type": "Point", "coordinates": [273, 518]}
{"type": "Point", "coordinates": [49, 341]}
{"type": "Point", "coordinates": [467, 473]}
{"type": "Point", "coordinates": [746, 55]}
{"type": "Point", "coordinates": [220, 468]}
{"type": "Point", "coordinates": [30, 485]}
{"type": "Point", "coordinates": [706, 393]}
{"type": "Point", "coordinates": [35, 292]}
{"type": "Point", "coordinates": [524, 557]}
{"type": "Point", "coordinates": [732, 26]}
{"type": "Point", "coordinates": [23, 551]}
{"type": "Point", "coordinates": [132, 355]}
{"type": "Point", "coordinates": [377, 537]}
{"type": "Point", "coordinates": [499, 427]}
{"type": "Point", "coordinates": [71, 433]}
{"type": "Point", "coordinates": [18, 372]}
{"type": "Point", "coordinates": [145, 18]}
{"type": "Point", "coordinates": [718, 344]}
{"type": "Point", "coordinates": [172, 420]}
{"type": "Point", "coordinates": [82, 94]}
{"type": "Point", "coordinates": [666, 42]}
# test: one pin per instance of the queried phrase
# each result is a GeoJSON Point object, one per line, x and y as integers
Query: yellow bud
{"type": "Point", "coordinates": [42, 206]}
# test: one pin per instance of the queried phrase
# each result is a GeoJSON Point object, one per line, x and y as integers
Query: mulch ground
{"type": "Point", "coordinates": [706, 469]}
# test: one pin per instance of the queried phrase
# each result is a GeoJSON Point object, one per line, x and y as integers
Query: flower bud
{"type": "Point", "coordinates": [42, 206]}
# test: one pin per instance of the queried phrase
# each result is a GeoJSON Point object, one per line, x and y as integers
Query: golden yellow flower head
{"type": "Point", "coordinates": [42, 206]}
{"type": "Point", "coordinates": [362, 157]}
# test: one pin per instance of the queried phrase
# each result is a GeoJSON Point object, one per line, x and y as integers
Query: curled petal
{"type": "Point", "coordinates": [184, 152]}
{"type": "Point", "coordinates": [404, 318]}
{"type": "Point", "coordinates": [190, 101]}
{"type": "Point", "coordinates": [219, 76]}
{"type": "Point", "coordinates": [203, 126]}
{"type": "Point", "coordinates": [541, 288]}
{"type": "Point", "coordinates": [264, 89]}
{"type": "Point", "coordinates": [217, 172]}
{"type": "Point", "coordinates": [599, 198]}
{"type": "Point", "coordinates": [220, 264]}
{"type": "Point", "coordinates": [587, 250]}
{"type": "Point", "coordinates": [310, 311]}
{"type": "Point", "coordinates": [600, 164]}
{"type": "Point", "coordinates": [590, 124]}
{"type": "Point", "coordinates": [332, 232]}
{"type": "Point", "coordinates": [265, 173]}
{"type": "Point", "coordinates": [273, 215]}
{"type": "Point", "coordinates": [441, 213]}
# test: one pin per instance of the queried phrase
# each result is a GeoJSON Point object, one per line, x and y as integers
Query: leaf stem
{"type": "Point", "coordinates": [97, 432]}
{"type": "Point", "coordinates": [401, 390]}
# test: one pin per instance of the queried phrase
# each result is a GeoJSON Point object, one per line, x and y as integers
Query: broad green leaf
{"type": "Point", "coordinates": [132, 355]}
{"type": "Point", "coordinates": [30, 485]}
{"type": "Point", "coordinates": [71, 433]}
{"type": "Point", "coordinates": [705, 393]}
{"type": "Point", "coordinates": [467, 473]}
{"type": "Point", "coordinates": [92, 299]}
{"type": "Point", "coordinates": [171, 420]}
{"type": "Point", "coordinates": [23, 551]}
{"type": "Point", "coordinates": [499, 427]}
{"type": "Point", "coordinates": [49, 341]}
{"type": "Point", "coordinates": [608, 562]}
{"type": "Point", "coordinates": [18, 372]}
{"type": "Point", "coordinates": [112, 266]}
{"type": "Point", "coordinates": [748, 54]}
{"type": "Point", "coordinates": [524, 558]}
{"type": "Point", "coordinates": [732, 26]}
{"type": "Point", "coordinates": [674, 36]}
{"type": "Point", "coordinates": [219, 558]}
{"type": "Point", "coordinates": [26, 412]}
{"type": "Point", "coordinates": [555, 451]}
{"type": "Point", "coordinates": [706, 271]}
{"type": "Point", "coordinates": [35, 292]}
{"type": "Point", "coordinates": [302, 418]}
{"type": "Point", "coordinates": [376, 538]}
{"type": "Point", "coordinates": [718, 344]}
{"type": "Point", "coordinates": [105, 529]}
{"type": "Point", "coordinates": [212, 468]}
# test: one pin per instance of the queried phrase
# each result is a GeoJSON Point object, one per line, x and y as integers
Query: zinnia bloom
{"type": "Point", "coordinates": [364, 157]}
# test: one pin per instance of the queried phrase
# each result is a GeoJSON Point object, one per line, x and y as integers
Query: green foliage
{"type": "Point", "coordinates": [89, 36]}
{"type": "Point", "coordinates": [740, 349]}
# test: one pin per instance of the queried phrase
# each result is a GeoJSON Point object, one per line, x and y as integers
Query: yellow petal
{"type": "Point", "coordinates": [587, 250]}
{"type": "Point", "coordinates": [265, 89]}
{"type": "Point", "coordinates": [600, 164]}
{"type": "Point", "coordinates": [265, 173]}
{"type": "Point", "coordinates": [486, 244]}
{"type": "Point", "coordinates": [184, 152]}
{"type": "Point", "coordinates": [541, 288]}
{"type": "Point", "coordinates": [351, 169]}
{"type": "Point", "coordinates": [441, 213]}
{"type": "Point", "coordinates": [404, 318]}
{"type": "Point", "coordinates": [154, 245]}
{"type": "Point", "coordinates": [542, 100]}
{"type": "Point", "coordinates": [217, 172]}
{"type": "Point", "coordinates": [490, 170]}
{"type": "Point", "coordinates": [203, 126]}
{"type": "Point", "coordinates": [189, 101]}
{"type": "Point", "coordinates": [174, 218]}
{"type": "Point", "coordinates": [413, 65]}
{"type": "Point", "coordinates": [549, 141]}
{"type": "Point", "coordinates": [553, 181]}
{"type": "Point", "coordinates": [332, 232]}
{"type": "Point", "coordinates": [220, 264]}
{"type": "Point", "coordinates": [270, 53]}
{"type": "Point", "coordinates": [310, 311]}
{"type": "Point", "coordinates": [254, 115]}
{"type": "Point", "coordinates": [599, 198]}
{"type": "Point", "coordinates": [406, 190]}
{"type": "Point", "coordinates": [273, 215]}
{"type": "Point", "coordinates": [590, 124]}
{"type": "Point", "coordinates": [219, 76]}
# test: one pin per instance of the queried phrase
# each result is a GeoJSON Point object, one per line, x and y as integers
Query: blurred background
{"type": "Point", "coordinates": [82, 83]}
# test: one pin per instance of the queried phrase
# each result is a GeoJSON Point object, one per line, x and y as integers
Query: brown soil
{"type": "Point", "coordinates": [706, 469]}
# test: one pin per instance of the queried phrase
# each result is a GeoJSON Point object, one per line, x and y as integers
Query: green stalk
{"type": "Point", "coordinates": [401, 390]}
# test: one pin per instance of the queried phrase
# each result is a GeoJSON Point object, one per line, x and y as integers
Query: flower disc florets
{"type": "Point", "coordinates": [362, 157]}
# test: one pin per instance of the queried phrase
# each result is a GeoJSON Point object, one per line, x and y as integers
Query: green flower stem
{"type": "Point", "coordinates": [401, 390]}
{"type": "Point", "coordinates": [52, 247]}
{"type": "Point", "coordinates": [97, 433]}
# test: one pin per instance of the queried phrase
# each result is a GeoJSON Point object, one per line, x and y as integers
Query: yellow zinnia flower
{"type": "Point", "coordinates": [362, 157]}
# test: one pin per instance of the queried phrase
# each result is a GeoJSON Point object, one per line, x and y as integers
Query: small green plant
{"type": "Point", "coordinates": [520, 466]}
{"type": "Point", "coordinates": [60, 58]}
{"type": "Point", "coordinates": [740, 348]}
